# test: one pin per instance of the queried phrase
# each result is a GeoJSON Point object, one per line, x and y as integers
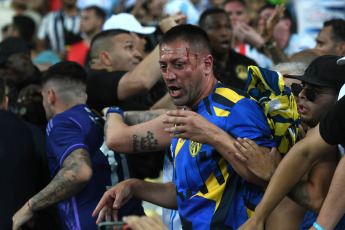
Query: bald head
{"type": "Point", "coordinates": [306, 56]}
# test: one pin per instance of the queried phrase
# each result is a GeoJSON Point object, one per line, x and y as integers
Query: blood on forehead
{"type": "Point", "coordinates": [181, 53]}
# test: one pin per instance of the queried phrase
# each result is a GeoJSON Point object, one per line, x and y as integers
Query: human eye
{"type": "Point", "coordinates": [163, 68]}
{"type": "Point", "coordinates": [129, 47]}
{"type": "Point", "coordinates": [179, 65]}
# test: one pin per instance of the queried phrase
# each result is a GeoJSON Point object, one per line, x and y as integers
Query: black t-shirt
{"type": "Point", "coordinates": [236, 70]}
{"type": "Point", "coordinates": [332, 127]}
{"type": "Point", "coordinates": [23, 168]}
{"type": "Point", "coordinates": [102, 88]}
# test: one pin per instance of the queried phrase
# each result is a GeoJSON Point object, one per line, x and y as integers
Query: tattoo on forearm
{"type": "Point", "coordinates": [65, 184]}
{"type": "Point", "coordinates": [148, 143]}
{"type": "Point", "coordinates": [271, 174]}
{"type": "Point", "coordinates": [135, 143]}
{"type": "Point", "coordinates": [133, 118]}
{"type": "Point", "coordinates": [300, 195]}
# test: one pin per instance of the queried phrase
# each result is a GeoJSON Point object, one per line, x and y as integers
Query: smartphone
{"type": "Point", "coordinates": [113, 226]}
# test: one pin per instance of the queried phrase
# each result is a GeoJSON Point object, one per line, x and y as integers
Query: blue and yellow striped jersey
{"type": "Point", "coordinates": [210, 194]}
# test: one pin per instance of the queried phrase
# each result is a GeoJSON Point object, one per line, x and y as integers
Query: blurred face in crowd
{"type": "Point", "coordinates": [16, 69]}
{"type": "Point", "coordinates": [183, 72]}
{"type": "Point", "coordinates": [69, 3]}
{"type": "Point", "coordinates": [89, 22]}
{"type": "Point", "coordinates": [325, 43]}
{"type": "Point", "coordinates": [125, 55]}
{"type": "Point", "coordinates": [218, 29]}
{"type": "Point", "coordinates": [237, 12]}
{"type": "Point", "coordinates": [281, 32]}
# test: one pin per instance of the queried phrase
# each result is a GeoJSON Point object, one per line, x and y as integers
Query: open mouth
{"type": "Point", "coordinates": [175, 91]}
{"type": "Point", "coordinates": [225, 44]}
{"type": "Point", "coordinates": [301, 109]}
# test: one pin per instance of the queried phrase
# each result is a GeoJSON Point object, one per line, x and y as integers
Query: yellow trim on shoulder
{"type": "Point", "coordinates": [229, 94]}
{"type": "Point", "coordinates": [221, 112]}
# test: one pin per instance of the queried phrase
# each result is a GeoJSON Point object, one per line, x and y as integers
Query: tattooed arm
{"type": "Point", "coordinates": [137, 117]}
{"type": "Point", "coordinates": [144, 137]}
{"type": "Point", "coordinates": [311, 193]}
{"type": "Point", "coordinates": [75, 173]}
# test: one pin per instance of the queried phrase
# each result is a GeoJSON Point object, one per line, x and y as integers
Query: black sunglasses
{"type": "Point", "coordinates": [310, 93]}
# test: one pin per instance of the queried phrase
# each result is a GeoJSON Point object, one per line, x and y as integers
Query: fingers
{"type": "Point", "coordinates": [100, 215]}
{"type": "Point", "coordinates": [246, 146]}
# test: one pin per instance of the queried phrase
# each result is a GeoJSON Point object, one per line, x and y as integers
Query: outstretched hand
{"type": "Point", "coordinates": [272, 21]}
{"type": "Point", "coordinates": [112, 201]}
{"type": "Point", "coordinates": [247, 34]}
{"type": "Point", "coordinates": [176, 19]}
{"type": "Point", "coordinates": [22, 216]}
{"type": "Point", "coordinates": [262, 164]}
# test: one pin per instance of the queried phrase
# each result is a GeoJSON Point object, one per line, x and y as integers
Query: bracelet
{"type": "Point", "coordinates": [114, 109]}
{"type": "Point", "coordinates": [318, 227]}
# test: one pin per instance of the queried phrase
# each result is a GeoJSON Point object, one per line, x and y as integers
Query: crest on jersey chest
{"type": "Point", "coordinates": [194, 148]}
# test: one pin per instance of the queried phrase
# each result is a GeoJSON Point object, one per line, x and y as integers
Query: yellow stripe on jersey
{"type": "Point", "coordinates": [221, 112]}
{"type": "Point", "coordinates": [179, 145]}
{"type": "Point", "coordinates": [215, 191]}
{"type": "Point", "coordinates": [229, 94]}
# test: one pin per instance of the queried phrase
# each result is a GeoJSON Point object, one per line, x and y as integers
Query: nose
{"type": "Point", "coordinates": [302, 94]}
{"type": "Point", "coordinates": [169, 75]}
{"type": "Point", "coordinates": [137, 54]}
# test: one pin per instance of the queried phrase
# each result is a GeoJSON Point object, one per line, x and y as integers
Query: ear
{"type": "Point", "coordinates": [105, 58]}
{"type": "Point", "coordinates": [208, 62]}
{"type": "Point", "coordinates": [341, 49]}
{"type": "Point", "coordinates": [51, 97]}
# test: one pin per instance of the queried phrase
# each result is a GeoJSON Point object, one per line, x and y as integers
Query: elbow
{"type": "Point", "coordinates": [85, 174]}
{"type": "Point", "coordinates": [111, 142]}
{"type": "Point", "coordinates": [317, 203]}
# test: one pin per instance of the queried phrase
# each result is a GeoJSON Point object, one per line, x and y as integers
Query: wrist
{"type": "Point", "coordinates": [114, 109]}
{"type": "Point", "coordinates": [317, 226]}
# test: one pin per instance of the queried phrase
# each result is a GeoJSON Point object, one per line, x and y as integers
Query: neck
{"type": "Point", "coordinates": [209, 84]}
{"type": "Point", "coordinates": [70, 10]}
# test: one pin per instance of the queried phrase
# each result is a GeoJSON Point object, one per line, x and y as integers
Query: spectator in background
{"type": "Point", "coordinates": [229, 67]}
{"type": "Point", "coordinates": [12, 8]}
{"type": "Point", "coordinates": [81, 166]}
{"type": "Point", "coordinates": [245, 40]}
{"type": "Point", "coordinates": [91, 22]}
{"type": "Point", "coordinates": [128, 22]}
{"type": "Point", "coordinates": [59, 29]}
{"type": "Point", "coordinates": [23, 27]}
{"type": "Point", "coordinates": [22, 78]}
{"type": "Point", "coordinates": [283, 37]}
{"type": "Point", "coordinates": [331, 39]}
